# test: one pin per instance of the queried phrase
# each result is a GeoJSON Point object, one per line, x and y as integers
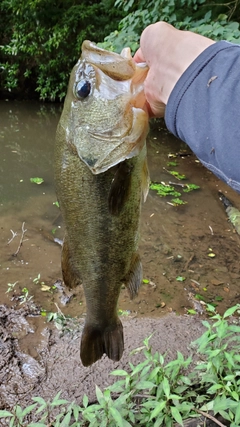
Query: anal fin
{"type": "Point", "coordinates": [96, 342]}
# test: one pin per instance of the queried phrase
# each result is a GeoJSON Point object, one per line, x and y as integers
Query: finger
{"type": "Point", "coordinates": [138, 57]}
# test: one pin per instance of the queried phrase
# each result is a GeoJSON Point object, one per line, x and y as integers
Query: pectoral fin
{"type": "Point", "coordinates": [133, 279]}
{"type": "Point", "coordinates": [120, 188]}
{"type": "Point", "coordinates": [145, 180]}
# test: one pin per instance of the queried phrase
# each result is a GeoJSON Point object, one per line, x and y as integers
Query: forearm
{"type": "Point", "coordinates": [204, 110]}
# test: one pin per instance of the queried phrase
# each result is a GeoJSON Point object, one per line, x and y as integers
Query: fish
{"type": "Point", "coordinates": [101, 180]}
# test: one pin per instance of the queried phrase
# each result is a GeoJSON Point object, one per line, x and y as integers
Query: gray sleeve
{"type": "Point", "coordinates": [204, 110]}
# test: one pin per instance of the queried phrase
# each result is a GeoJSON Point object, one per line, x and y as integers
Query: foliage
{"type": "Point", "coordinates": [163, 189]}
{"type": "Point", "coordinates": [41, 40]}
{"type": "Point", "coordinates": [206, 17]}
{"type": "Point", "coordinates": [155, 393]}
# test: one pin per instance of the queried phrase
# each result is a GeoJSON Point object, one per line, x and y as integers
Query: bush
{"type": "Point", "coordinates": [41, 41]}
{"type": "Point", "coordinates": [201, 16]}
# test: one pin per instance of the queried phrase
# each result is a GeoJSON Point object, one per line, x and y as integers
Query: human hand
{"type": "Point", "coordinates": [168, 53]}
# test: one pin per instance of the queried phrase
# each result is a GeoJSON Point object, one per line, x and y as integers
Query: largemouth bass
{"type": "Point", "coordinates": [101, 178]}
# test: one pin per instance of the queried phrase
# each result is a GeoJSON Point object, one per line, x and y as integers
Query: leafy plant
{"type": "Point", "coordinates": [11, 287]}
{"type": "Point", "coordinates": [155, 393]}
{"type": "Point", "coordinates": [163, 189]}
{"type": "Point", "coordinates": [37, 180]}
{"type": "Point", "coordinates": [41, 41]}
{"type": "Point", "coordinates": [209, 18]}
{"type": "Point", "coordinates": [219, 373]}
{"type": "Point", "coordinates": [178, 201]}
{"type": "Point", "coordinates": [190, 187]}
{"type": "Point", "coordinates": [25, 296]}
{"type": "Point", "coordinates": [177, 175]}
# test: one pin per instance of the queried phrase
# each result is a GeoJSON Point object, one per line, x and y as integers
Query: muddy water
{"type": "Point", "coordinates": [37, 360]}
{"type": "Point", "coordinates": [175, 241]}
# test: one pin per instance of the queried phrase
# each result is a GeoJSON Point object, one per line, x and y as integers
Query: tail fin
{"type": "Point", "coordinates": [95, 342]}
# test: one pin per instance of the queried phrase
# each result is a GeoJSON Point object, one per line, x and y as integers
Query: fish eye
{"type": "Point", "coordinates": [83, 88]}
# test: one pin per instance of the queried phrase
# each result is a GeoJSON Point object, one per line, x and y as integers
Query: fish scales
{"type": "Point", "coordinates": [100, 196]}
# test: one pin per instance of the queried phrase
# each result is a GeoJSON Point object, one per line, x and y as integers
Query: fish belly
{"type": "Point", "coordinates": [100, 249]}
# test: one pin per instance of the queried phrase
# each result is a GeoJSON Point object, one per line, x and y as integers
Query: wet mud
{"type": "Point", "coordinates": [52, 364]}
{"type": "Point", "coordinates": [190, 257]}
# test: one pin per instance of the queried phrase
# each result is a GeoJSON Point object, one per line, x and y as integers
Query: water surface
{"type": "Point", "coordinates": [175, 241]}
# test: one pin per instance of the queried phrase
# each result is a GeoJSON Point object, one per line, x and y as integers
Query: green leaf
{"type": "Point", "coordinates": [99, 394]}
{"type": "Point", "coordinates": [231, 311]}
{"type": "Point", "coordinates": [180, 278]}
{"type": "Point", "coordinates": [120, 373]}
{"type": "Point", "coordinates": [142, 385]}
{"type": "Point", "coordinates": [191, 311]}
{"type": "Point", "coordinates": [28, 409]}
{"type": "Point", "coordinates": [218, 298]}
{"type": "Point", "coordinates": [37, 180]}
{"type": "Point", "coordinates": [224, 414]}
{"type": "Point", "coordinates": [4, 414]}
{"type": "Point", "coordinates": [66, 420]}
{"type": "Point", "coordinates": [190, 187]}
{"type": "Point", "coordinates": [234, 328]}
{"type": "Point", "coordinates": [177, 175]}
{"type": "Point", "coordinates": [214, 388]}
{"type": "Point", "coordinates": [39, 400]}
{"type": "Point", "coordinates": [59, 402]}
{"type": "Point", "coordinates": [235, 396]}
{"type": "Point", "coordinates": [164, 190]}
{"type": "Point", "coordinates": [117, 417]}
{"type": "Point", "coordinates": [166, 387]}
{"type": "Point", "coordinates": [37, 425]}
{"type": "Point", "coordinates": [172, 163]}
{"type": "Point", "coordinates": [85, 401]}
{"type": "Point", "coordinates": [200, 297]}
{"type": "Point", "coordinates": [157, 410]}
{"type": "Point", "coordinates": [176, 415]}
{"type": "Point", "coordinates": [139, 367]}
{"type": "Point", "coordinates": [177, 202]}
{"type": "Point", "coordinates": [237, 415]}
{"type": "Point", "coordinates": [229, 359]}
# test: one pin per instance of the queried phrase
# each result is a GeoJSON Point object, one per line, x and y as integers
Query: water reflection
{"type": "Point", "coordinates": [27, 132]}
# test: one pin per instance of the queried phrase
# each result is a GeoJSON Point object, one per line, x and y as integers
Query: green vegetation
{"type": "Point", "coordinates": [37, 180]}
{"type": "Point", "coordinates": [164, 190]}
{"type": "Point", "coordinates": [154, 392]}
{"type": "Point", "coordinates": [214, 19]}
{"type": "Point", "coordinates": [41, 40]}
